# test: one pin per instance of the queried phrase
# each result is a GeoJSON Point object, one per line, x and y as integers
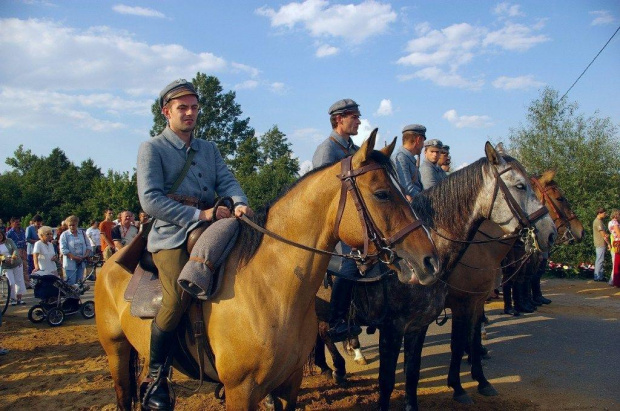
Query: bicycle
{"type": "Point", "coordinates": [5, 289]}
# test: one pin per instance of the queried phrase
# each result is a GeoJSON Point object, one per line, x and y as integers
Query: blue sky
{"type": "Point", "coordinates": [82, 75]}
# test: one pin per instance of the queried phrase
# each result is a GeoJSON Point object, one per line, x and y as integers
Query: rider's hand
{"type": "Point", "coordinates": [242, 209]}
{"type": "Point", "coordinates": [207, 215]}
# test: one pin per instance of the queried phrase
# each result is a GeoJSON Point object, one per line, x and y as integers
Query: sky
{"type": "Point", "coordinates": [82, 75]}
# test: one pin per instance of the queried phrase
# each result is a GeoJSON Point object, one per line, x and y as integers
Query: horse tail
{"type": "Point", "coordinates": [134, 373]}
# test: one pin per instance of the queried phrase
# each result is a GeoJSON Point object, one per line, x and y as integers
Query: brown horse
{"type": "Point", "coordinates": [475, 276]}
{"type": "Point", "coordinates": [262, 324]}
{"type": "Point", "coordinates": [453, 209]}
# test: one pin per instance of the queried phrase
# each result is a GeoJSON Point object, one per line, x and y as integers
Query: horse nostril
{"type": "Point", "coordinates": [429, 264]}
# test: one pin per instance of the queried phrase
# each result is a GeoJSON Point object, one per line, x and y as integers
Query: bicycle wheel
{"type": "Point", "coordinates": [5, 293]}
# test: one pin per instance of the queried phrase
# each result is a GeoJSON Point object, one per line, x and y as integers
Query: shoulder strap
{"type": "Point", "coordinates": [183, 173]}
{"type": "Point", "coordinates": [343, 148]}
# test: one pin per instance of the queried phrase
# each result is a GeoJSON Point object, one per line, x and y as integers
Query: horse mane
{"type": "Point", "coordinates": [457, 190]}
{"type": "Point", "coordinates": [250, 239]}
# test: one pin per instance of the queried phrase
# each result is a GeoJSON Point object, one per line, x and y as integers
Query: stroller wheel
{"type": "Point", "coordinates": [36, 314]}
{"type": "Point", "coordinates": [88, 309]}
{"type": "Point", "coordinates": [55, 316]}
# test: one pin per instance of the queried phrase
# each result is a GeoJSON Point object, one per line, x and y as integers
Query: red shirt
{"type": "Point", "coordinates": [106, 229]}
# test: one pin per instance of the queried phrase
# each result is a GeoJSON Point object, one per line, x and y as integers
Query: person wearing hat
{"type": "Point", "coordinates": [601, 243]}
{"type": "Point", "coordinates": [444, 160]}
{"type": "Point", "coordinates": [430, 172]}
{"type": "Point", "coordinates": [344, 116]}
{"type": "Point", "coordinates": [178, 179]}
{"type": "Point", "coordinates": [405, 162]}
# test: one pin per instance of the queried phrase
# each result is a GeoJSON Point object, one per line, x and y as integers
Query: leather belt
{"type": "Point", "coordinates": [189, 201]}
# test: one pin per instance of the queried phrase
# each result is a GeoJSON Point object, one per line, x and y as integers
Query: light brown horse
{"type": "Point", "coordinates": [262, 324]}
{"type": "Point", "coordinates": [473, 279]}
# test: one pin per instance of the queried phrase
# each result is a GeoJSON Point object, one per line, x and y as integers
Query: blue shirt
{"type": "Point", "coordinates": [18, 237]}
{"type": "Point", "coordinates": [330, 151]}
{"type": "Point", "coordinates": [160, 162]}
{"type": "Point", "coordinates": [31, 234]}
{"type": "Point", "coordinates": [430, 174]}
{"type": "Point", "coordinates": [407, 172]}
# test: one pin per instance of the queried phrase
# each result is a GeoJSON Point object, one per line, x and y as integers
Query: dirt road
{"type": "Point", "coordinates": [563, 357]}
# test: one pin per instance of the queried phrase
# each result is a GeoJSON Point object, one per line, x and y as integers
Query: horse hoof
{"type": "Point", "coordinates": [327, 373]}
{"type": "Point", "coordinates": [488, 391]}
{"type": "Point", "coordinates": [463, 399]}
{"type": "Point", "coordinates": [339, 379]}
{"type": "Point", "coordinates": [361, 361]}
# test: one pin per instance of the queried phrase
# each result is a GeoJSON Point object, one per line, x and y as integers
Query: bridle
{"type": "Point", "coordinates": [372, 234]}
{"type": "Point", "coordinates": [561, 219]}
{"type": "Point", "coordinates": [526, 222]}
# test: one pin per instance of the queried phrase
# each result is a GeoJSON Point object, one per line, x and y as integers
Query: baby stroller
{"type": "Point", "coordinates": [58, 299]}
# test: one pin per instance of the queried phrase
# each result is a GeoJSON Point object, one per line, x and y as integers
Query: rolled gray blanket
{"type": "Point", "coordinates": [200, 276]}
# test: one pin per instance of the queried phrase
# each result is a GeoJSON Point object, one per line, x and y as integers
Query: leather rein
{"type": "Point", "coordinates": [565, 219]}
{"type": "Point", "coordinates": [385, 252]}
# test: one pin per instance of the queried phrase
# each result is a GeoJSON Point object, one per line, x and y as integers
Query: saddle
{"type": "Point", "coordinates": [144, 289]}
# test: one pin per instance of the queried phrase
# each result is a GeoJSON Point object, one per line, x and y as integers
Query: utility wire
{"type": "Point", "coordinates": [584, 71]}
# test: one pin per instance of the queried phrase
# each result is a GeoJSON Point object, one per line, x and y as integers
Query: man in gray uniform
{"type": "Point", "coordinates": [345, 120]}
{"type": "Point", "coordinates": [430, 172]}
{"type": "Point", "coordinates": [405, 163]}
{"type": "Point", "coordinates": [444, 159]}
{"type": "Point", "coordinates": [178, 207]}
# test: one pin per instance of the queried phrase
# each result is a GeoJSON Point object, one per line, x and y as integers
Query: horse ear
{"type": "Point", "coordinates": [547, 177]}
{"type": "Point", "coordinates": [369, 145]}
{"type": "Point", "coordinates": [388, 150]}
{"type": "Point", "coordinates": [493, 156]}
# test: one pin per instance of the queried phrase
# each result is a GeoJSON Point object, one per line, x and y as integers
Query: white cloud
{"type": "Point", "coordinates": [325, 50]}
{"type": "Point", "coordinates": [506, 9]}
{"type": "Point", "coordinates": [515, 37]}
{"type": "Point", "coordinates": [467, 121]}
{"type": "Point", "coordinates": [304, 167]}
{"type": "Point", "coordinates": [137, 11]}
{"type": "Point", "coordinates": [312, 135]}
{"type": "Point", "coordinates": [352, 22]}
{"type": "Point", "coordinates": [385, 108]}
{"type": "Point", "coordinates": [602, 17]}
{"type": "Point", "coordinates": [252, 71]}
{"type": "Point", "coordinates": [277, 87]}
{"type": "Point", "coordinates": [246, 85]}
{"type": "Point", "coordinates": [444, 79]}
{"type": "Point", "coordinates": [517, 83]}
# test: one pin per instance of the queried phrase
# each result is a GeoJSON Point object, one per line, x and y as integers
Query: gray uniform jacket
{"type": "Point", "coordinates": [407, 171]}
{"type": "Point", "coordinates": [431, 174]}
{"type": "Point", "coordinates": [329, 152]}
{"type": "Point", "coordinates": [160, 161]}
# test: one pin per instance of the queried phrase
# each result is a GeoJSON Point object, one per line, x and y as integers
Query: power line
{"type": "Point", "coordinates": [584, 71]}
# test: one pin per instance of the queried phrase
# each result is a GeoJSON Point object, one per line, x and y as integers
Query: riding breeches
{"type": "Point", "coordinates": [174, 300]}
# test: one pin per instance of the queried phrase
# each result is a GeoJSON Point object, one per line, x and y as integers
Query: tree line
{"type": "Point", "coordinates": [584, 151]}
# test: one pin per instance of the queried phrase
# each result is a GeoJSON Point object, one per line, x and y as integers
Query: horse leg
{"type": "Point", "coordinates": [390, 340]}
{"type": "Point", "coordinates": [319, 356]}
{"type": "Point", "coordinates": [414, 341]}
{"type": "Point", "coordinates": [484, 386]}
{"type": "Point", "coordinates": [354, 344]}
{"type": "Point", "coordinates": [119, 357]}
{"type": "Point", "coordinates": [457, 346]}
{"type": "Point", "coordinates": [285, 396]}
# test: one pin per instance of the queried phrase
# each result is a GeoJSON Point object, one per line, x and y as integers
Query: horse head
{"type": "Point", "coordinates": [378, 210]}
{"type": "Point", "coordinates": [515, 206]}
{"type": "Point", "coordinates": [568, 225]}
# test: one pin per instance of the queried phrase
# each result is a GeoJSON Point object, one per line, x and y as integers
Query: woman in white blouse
{"type": "Point", "coordinates": [43, 254]}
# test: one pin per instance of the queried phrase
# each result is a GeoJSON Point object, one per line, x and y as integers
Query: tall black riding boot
{"type": "Point", "coordinates": [157, 394]}
{"type": "Point", "coordinates": [536, 291]}
{"type": "Point", "coordinates": [520, 300]}
{"type": "Point", "coordinates": [528, 294]}
{"type": "Point", "coordinates": [507, 291]}
{"type": "Point", "coordinates": [339, 327]}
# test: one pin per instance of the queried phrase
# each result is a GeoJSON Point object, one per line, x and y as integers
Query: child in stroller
{"type": "Point", "coordinates": [58, 299]}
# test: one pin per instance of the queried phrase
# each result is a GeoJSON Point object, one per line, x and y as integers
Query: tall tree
{"type": "Point", "coordinates": [219, 120]}
{"type": "Point", "coordinates": [583, 151]}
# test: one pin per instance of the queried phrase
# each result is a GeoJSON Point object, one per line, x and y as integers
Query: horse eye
{"type": "Point", "coordinates": [520, 186]}
{"type": "Point", "coordinates": [382, 195]}
{"type": "Point", "coordinates": [562, 199]}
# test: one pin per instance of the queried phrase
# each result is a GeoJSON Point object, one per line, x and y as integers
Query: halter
{"type": "Point", "coordinates": [369, 228]}
{"type": "Point", "coordinates": [526, 223]}
{"type": "Point", "coordinates": [371, 231]}
{"type": "Point", "coordinates": [564, 220]}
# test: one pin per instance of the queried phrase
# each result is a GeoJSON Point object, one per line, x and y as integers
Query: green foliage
{"type": "Point", "coordinates": [584, 153]}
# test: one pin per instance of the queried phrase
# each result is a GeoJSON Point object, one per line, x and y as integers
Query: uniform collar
{"type": "Point", "coordinates": [407, 153]}
{"type": "Point", "coordinates": [176, 141]}
{"type": "Point", "coordinates": [344, 143]}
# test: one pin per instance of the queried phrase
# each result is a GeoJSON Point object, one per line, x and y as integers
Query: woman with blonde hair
{"type": "Point", "coordinates": [614, 247]}
{"type": "Point", "coordinates": [43, 254]}
{"type": "Point", "coordinates": [75, 247]}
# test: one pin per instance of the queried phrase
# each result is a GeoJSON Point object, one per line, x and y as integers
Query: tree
{"type": "Point", "coordinates": [584, 153]}
{"type": "Point", "coordinates": [219, 119]}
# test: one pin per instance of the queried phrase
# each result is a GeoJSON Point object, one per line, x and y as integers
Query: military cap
{"type": "Point", "coordinates": [416, 128]}
{"type": "Point", "coordinates": [433, 143]}
{"type": "Point", "coordinates": [343, 106]}
{"type": "Point", "coordinates": [176, 89]}
{"type": "Point", "coordinates": [445, 148]}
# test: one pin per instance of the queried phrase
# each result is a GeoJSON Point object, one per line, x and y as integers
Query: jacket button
{"type": "Point", "coordinates": [204, 189]}
{"type": "Point", "coordinates": [193, 163]}
{"type": "Point", "coordinates": [200, 175]}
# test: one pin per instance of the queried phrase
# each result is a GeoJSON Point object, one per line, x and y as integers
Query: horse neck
{"type": "Point", "coordinates": [304, 215]}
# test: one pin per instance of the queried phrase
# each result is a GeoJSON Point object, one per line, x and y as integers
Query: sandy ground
{"type": "Point", "coordinates": [563, 357]}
